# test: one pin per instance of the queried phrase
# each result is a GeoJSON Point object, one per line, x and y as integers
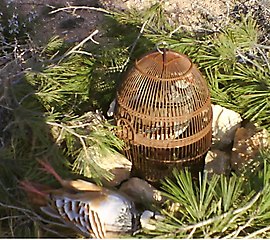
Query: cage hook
{"type": "Point", "coordinates": [161, 46]}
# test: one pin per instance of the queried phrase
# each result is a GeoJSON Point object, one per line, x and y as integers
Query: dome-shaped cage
{"type": "Point", "coordinates": [164, 112]}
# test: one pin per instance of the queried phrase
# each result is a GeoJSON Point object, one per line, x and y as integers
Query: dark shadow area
{"type": "Point", "coordinates": [27, 108]}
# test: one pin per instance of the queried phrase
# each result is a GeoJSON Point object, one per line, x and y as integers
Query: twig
{"type": "Point", "coordinates": [191, 233]}
{"type": "Point", "coordinates": [134, 45]}
{"type": "Point", "coordinates": [60, 136]}
{"type": "Point", "coordinates": [9, 217]}
{"type": "Point", "coordinates": [262, 230]}
{"type": "Point", "coordinates": [24, 210]}
{"type": "Point", "coordinates": [90, 37]}
{"type": "Point", "coordinates": [33, 216]}
{"type": "Point", "coordinates": [52, 231]}
{"type": "Point", "coordinates": [66, 128]}
{"type": "Point", "coordinates": [231, 221]}
{"type": "Point", "coordinates": [122, 67]}
{"type": "Point", "coordinates": [81, 125]}
{"type": "Point", "coordinates": [26, 96]}
{"type": "Point", "coordinates": [74, 8]}
{"type": "Point", "coordinates": [248, 60]}
{"type": "Point", "coordinates": [83, 52]}
{"type": "Point", "coordinates": [190, 28]}
{"type": "Point", "coordinates": [5, 107]}
{"type": "Point", "coordinates": [241, 228]}
{"type": "Point", "coordinates": [178, 28]}
{"type": "Point", "coordinates": [75, 49]}
{"type": "Point", "coordinates": [262, 46]}
{"type": "Point", "coordinates": [81, 137]}
{"type": "Point", "coordinates": [264, 57]}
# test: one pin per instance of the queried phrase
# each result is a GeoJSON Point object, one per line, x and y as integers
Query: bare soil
{"type": "Point", "coordinates": [71, 27]}
{"type": "Point", "coordinates": [196, 15]}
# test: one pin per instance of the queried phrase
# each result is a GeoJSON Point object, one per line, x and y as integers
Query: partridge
{"type": "Point", "coordinates": [92, 210]}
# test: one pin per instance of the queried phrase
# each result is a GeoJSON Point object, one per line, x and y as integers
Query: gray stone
{"type": "Point", "coordinates": [217, 162]}
{"type": "Point", "coordinates": [141, 191]}
{"type": "Point", "coordinates": [118, 165]}
{"type": "Point", "coordinates": [225, 122]}
{"type": "Point", "coordinates": [247, 143]}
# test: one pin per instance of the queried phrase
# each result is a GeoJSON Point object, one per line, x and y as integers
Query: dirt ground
{"type": "Point", "coordinates": [193, 15]}
{"type": "Point", "coordinates": [72, 27]}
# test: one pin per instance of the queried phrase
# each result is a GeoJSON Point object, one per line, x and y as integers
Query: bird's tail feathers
{"type": "Point", "coordinates": [37, 193]}
{"type": "Point", "coordinates": [50, 212]}
{"type": "Point", "coordinates": [49, 169]}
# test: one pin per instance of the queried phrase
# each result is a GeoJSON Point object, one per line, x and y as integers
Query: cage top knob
{"type": "Point", "coordinates": [164, 64]}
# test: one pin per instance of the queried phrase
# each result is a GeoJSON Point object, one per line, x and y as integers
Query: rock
{"type": "Point", "coordinates": [120, 175]}
{"type": "Point", "coordinates": [149, 218]}
{"type": "Point", "coordinates": [217, 162]}
{"type": "Point", "coordinates": [247, 143]}
{"type": "Point", "coordinates": [118, 165]}
{"type": "Point", "coordinates": [225, 122]}
{"type": "Point", "coordinates": [141, 191]}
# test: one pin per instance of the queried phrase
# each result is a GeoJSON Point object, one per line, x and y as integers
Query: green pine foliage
{"type": "Point", "coordinates": [52, 115]}
{"type": "Point", "coordinates": [63, 86]}
{"type": "Point", "coordinates": [229, 207]}
{"type": "Point", "coordinates": [238, 71]}
{"type": "Point", "coordinates": [233, 61]}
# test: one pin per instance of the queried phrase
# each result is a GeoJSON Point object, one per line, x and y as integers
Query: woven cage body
{"type": "Point", "coordinates": [164, 115]}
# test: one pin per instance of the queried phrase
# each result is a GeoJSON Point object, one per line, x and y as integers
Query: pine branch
{"type": "Point", "coordinates": [238, 211]}
{"type": "Point", "coordinates": [257, 233]}
{"type": "Point", "coordinates": [74, 49]}
{"type": "Point", "coordinates": [74, 8]}
{"type": "Point", "coordinates": [244, 208]}
{"type": "Point", "coordinates": [34, 217]}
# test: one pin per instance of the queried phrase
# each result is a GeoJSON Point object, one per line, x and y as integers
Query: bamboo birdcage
{"type": "Point", "coordinates": [164, 112]}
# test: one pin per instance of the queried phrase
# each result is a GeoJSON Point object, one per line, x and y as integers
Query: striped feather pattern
{"type": "Point", "coordinates": [79, 214]}
{"type": "Point", "coordinates": [95, 211]}
{"type": "Point", "coordinates": [93, 217]}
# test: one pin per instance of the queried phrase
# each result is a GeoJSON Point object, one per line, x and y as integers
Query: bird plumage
{"type": "Point", "coordinates": [92, 210]}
